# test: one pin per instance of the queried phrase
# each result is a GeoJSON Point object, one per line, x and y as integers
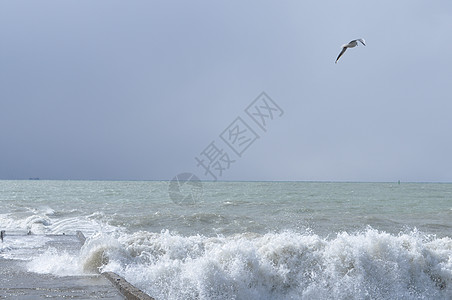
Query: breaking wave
{"type": "Point", "coordinates": [287, 265]}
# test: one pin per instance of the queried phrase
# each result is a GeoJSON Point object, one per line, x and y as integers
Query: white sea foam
{"type": "Point", "coordinates": [36, 223]}
{"type": "Point", "coordinates": [56, 262]}
{"type": "Point", "coordinates": [369, 264]}
{"type": "Point", "coordinates": [21, 247]}
{"type": "Point", "coordinates": [43, 223]}
{"type": "Point", "coordinates": [287, 265]}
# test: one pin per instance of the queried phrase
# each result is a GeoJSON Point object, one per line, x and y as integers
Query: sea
{"type": "Point", "coordinates": [240, 240]}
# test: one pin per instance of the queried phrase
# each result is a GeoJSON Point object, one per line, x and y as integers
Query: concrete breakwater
{"type": "Point", "coordinates": [17, 282]}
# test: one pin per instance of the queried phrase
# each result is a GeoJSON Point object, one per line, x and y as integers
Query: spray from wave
{"type": "Point", "coordinates": [287, 265]}
{"type": "Point", "coordinates": [369, 264]}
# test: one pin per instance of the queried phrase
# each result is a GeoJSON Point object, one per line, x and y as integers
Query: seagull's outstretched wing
{"type": "Point", "coordinates": [362, 41]}
{"type": "Point", "coordinates": [340, 54]}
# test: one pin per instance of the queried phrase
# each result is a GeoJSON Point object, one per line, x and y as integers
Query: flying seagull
{"type": "Point", "coordinates": [352, 44]}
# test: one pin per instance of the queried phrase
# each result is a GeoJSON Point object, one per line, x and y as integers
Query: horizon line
{"type": "Point", "coordinates": [207, 181]}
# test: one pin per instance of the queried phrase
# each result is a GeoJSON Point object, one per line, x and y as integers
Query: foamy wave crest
{"type": "Point", "coordinates": [55, 262]}
{"type": "Point", "coordinates": [45, 222]}
{"type": "Point", "coordinates": [35, 223]}
{"type": "Point", "coordinates": [99, 250]}
{"type": "Point", "coordinates": [287, 265]}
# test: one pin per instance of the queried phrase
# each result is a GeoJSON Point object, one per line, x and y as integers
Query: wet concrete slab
{"type": "Point", "coordinates": [17, 282]}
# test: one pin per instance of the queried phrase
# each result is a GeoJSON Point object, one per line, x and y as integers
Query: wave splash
{"type": "Point", "coordinates": [287, 265]}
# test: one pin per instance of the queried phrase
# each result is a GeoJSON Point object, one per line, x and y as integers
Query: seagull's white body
{"type": "Point", "coordinates": [352, 44]}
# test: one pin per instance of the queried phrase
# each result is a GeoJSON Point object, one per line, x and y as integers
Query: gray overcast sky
{"type": "Point", "coordinates": [138, 89]}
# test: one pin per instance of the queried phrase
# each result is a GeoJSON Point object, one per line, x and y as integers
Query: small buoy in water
{"type": "Point", "coordinates": [2, 234]}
